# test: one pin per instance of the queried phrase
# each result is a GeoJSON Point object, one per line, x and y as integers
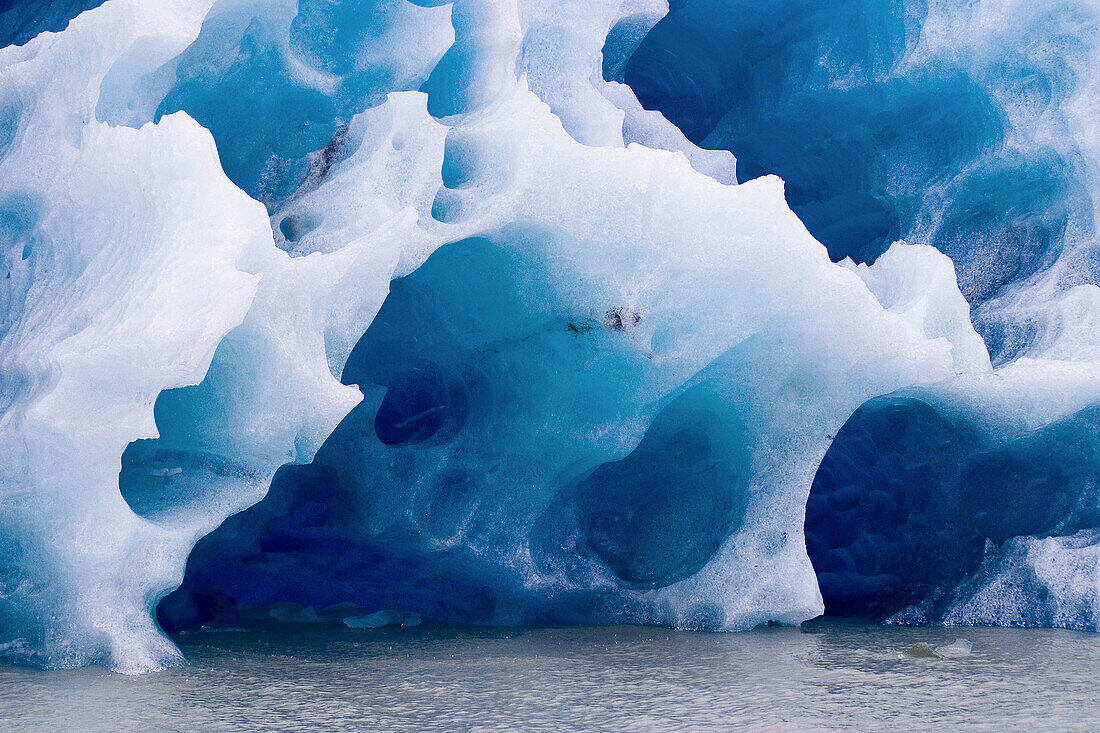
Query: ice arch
{"type": "Point", "coordinates": [475, 447]}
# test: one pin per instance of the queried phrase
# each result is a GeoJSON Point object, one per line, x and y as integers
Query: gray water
{"type": "Point", "coordinates": [825, 676]}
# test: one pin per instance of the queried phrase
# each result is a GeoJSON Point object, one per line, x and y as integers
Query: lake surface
{"type": "Point", "coordinates": [824, 676]}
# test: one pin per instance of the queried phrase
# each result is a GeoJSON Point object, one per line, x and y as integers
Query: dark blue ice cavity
{"type": "Point", "coordinates": [470, 453]}
{"type": "Point", "coordinates": [883, 525]}
{"type": "Point", "coordinates": [808, 90]}
{"type": "Point", "coordinates": [22, 20]}
{"type": "Point", "coordinates": [906, 499]}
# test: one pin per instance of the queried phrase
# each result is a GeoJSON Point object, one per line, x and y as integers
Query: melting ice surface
{"type": "Point", "coordinates": [464, 311]}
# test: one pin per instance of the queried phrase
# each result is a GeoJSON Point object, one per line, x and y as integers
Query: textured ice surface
{"type": "Point", "coordinates": [964, 125]}
{"type": "Point", "coordinates": [413, 309]}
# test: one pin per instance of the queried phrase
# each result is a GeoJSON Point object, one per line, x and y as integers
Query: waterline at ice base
{"type": "Point", "coordinates": [704, 314]}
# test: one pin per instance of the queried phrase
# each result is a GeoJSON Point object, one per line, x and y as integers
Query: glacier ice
{"type": "Point", "coordinates": [387, 309]}
{"type": "Point", "coordinates": [966, 126]}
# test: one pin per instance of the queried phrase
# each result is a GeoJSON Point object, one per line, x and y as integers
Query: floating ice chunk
{"type": "Point", "coordinates": [295, 614]}
{"type": "Point", "coordinates": [921, 650]}
{"type": "Point", "coordinates": [957, 648]}
{"type": "Point", "coordinates": [924, 650]}
{"type": "Point", "coordinates": [378, 619]}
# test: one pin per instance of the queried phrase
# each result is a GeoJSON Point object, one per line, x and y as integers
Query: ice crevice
{"type": "Point", "coordinates": [390, 306]}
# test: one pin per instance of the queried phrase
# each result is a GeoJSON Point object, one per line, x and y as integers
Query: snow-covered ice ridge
{"type": "Point", "coordinates": [412, 304]}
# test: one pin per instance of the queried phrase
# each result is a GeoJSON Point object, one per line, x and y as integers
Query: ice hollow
{"type": "Point", "coordinates": [365, 312]}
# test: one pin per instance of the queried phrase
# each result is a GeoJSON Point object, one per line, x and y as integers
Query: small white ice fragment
{"type": "Point", "coordinates": [374, 620]}
{"type": "Point", "coordinates": [957, 648]}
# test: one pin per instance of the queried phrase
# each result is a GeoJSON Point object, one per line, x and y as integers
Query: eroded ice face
{"type": "Point", "coordinates": [445, 320]}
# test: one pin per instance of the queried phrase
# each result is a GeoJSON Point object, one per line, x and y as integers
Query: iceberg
{"type": "Point", "coordinates": [468, 309]}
